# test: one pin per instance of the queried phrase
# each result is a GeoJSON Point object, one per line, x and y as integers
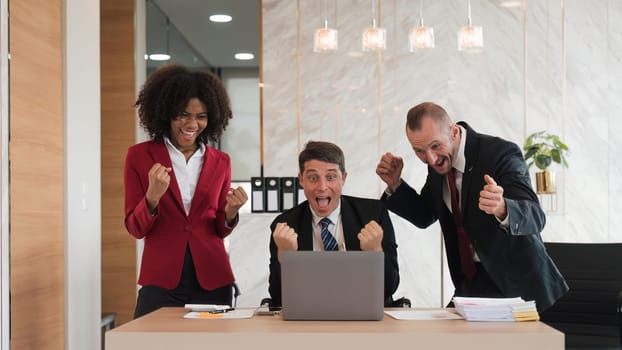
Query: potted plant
{"type": "Point", "coordinates": [542, 149]}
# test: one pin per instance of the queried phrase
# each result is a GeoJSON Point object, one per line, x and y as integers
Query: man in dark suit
{"type": "Point", "coordinates": [492, 239]}
{"type": "Point", "coordinates": [328, 220]}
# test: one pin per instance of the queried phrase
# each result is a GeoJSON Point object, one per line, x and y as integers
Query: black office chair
{"type": "Point", "coordinates": [589, 314]}
{"type": "Point", "coordinates": [620, 316]}
{"type": "Point", "coordinates": [236, 293]}
{"type": "Point", "coordinates": [401, 302]}
{"type": "Point", "coordinates": [267, 303]}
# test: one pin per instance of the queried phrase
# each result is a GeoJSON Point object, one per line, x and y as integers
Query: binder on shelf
{"type": "Point", "coordinates": [288, 193]}
{"type": "Point", "coordinates": [272, 195]}
{"type": "Point", "coordinates": [300, 197]}
{"type": "Point", "coordinates": [258, 195]}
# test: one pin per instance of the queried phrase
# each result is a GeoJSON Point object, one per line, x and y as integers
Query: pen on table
{"type": "Point", "coordinates": [220, 311]}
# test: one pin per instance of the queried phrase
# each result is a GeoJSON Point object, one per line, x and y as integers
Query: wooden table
{"type": "Point", "coordinates": [167, 329]}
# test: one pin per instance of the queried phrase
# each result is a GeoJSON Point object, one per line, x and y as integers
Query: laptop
{"type": "Point", "coordinates": [332, 285]}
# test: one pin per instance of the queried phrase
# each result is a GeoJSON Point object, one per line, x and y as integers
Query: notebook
{"type": "Point", "coordinates": [332, 285]}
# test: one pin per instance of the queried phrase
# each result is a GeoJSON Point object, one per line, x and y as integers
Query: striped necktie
{"type": "Point", "coordinates": [328, 240]}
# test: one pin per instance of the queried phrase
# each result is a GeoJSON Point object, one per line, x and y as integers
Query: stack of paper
{"type": "Point", "coordinates": [526, 311]}
{"type": "Point", "coordinates": [496, 309]}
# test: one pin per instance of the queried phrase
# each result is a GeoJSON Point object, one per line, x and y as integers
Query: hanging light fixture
{"type": "Point", "coordinates": [325, 39]}
{"type": "Point", "coordinates": [470, 38]}
{"type": "Point", "coordinates": [421, 37]}
{"type": "Point", "coordinates": [166, 55]}
{"type": "Point", "coordinates": [374, 38]}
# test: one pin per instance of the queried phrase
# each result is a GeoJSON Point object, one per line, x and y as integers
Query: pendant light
{"type": "Point", "coordinates": [421, 37]}
{"type": "Point", "coordinates": [470, 38]}
{"type": "Point", "coordinates": [374, 38]}
{"type": "Point", "coordinates": [325, 39]}
{"type": "Point", "coordinates": [166, 55]}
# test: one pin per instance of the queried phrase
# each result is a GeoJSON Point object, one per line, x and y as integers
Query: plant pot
{"type": "Point", "coordinates": [545, 182]}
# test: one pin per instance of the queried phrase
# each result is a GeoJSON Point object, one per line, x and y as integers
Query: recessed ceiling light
{"type": "Point", "coordinates": [244, 56]}
{"type": "Point", "coordinates": [159, 57]}
{"type": "Point", "coordinates": [220, 18]}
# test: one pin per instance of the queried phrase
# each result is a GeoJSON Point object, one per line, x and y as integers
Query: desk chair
{"type": "Point", "coordinates": [401, 302]}
{"type": "Point", "coordinates": [620, 316]}
{"type": "Point", "coordinates": [590, 313]}
{"type": "Point", "coordinates": [236, 294]}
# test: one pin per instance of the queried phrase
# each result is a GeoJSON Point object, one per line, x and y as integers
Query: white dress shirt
{"type": "Point", "coordinates": [186, 172]}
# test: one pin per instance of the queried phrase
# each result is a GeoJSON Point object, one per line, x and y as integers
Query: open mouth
{"type": "Point", "coordinates": [440, 162]}
{"type": "Point", "coordinates": [188, 134]}
{"type": "Point", "coordinates": [322, 202]}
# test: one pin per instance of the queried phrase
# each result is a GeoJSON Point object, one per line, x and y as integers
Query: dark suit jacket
{"type": "Point", "coordinates": [355, 214]}
{"type": "Point", "coordinates": [167, 234]}
{"type": "Point", "coordinates": [516, 260]}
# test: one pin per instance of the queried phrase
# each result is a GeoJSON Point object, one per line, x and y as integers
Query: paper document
{"type": "Point", "coordinates": [438, 314]}
{"type": "Point", "coordinates": [237, 313]}
{"type": "Point", "coordinates": [496, 309]}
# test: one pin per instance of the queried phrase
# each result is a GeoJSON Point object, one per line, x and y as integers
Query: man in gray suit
{"type": "Point", "coordinates": [478, 187]}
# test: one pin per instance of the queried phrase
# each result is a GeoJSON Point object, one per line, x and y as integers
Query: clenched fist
{"type": "Point", "coordinates": [285, 238]}
{"type": "Point", "coordinates": [390, 170]}
{"type": "Point", "coordinates": [371, 237]}
{"type": "Point", "coordinates": [159, 179]}
{"type": "Point", "coordinates": [235, 200]}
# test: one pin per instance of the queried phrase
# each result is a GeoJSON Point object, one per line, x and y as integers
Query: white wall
{"type": "Point", "coordinates": [83, 187]}
{"type": "Point", "coordinates": [241, 138]}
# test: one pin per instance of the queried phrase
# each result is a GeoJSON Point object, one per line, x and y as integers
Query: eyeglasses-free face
{"type": "Point", "coordinates": [186, 127]}
{"type": "Point", "coordinates": [322, 183]}
{"type": "Point", "coordinates": [434, 144]}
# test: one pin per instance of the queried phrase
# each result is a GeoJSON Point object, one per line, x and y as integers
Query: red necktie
{"type": "Point", "coordinates": [466, 257]}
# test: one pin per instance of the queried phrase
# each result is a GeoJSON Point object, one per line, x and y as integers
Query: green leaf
{"type": "Point", "coordinates": [556, 156]}
{"type": "Point", "coordinates": [561, 145]}
{"type": "Point", "coordinates": [564, 162]}
{"type": "Point", "coordinates": [530, 152]}
{"type": "Point", "coordinates": [542, 161]}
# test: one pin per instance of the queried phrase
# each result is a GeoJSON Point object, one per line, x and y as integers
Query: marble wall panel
{"type": "Point", "coordinates": [614, 58]}
{"type": "Point", "coordinates": [280, 99]}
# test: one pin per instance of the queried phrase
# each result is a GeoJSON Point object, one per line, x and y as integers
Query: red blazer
{"type": "Point", "coordinates": [167, 234]}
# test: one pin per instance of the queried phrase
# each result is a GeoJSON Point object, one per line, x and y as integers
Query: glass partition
{"type": "Point", "coordinates": [185, 33]}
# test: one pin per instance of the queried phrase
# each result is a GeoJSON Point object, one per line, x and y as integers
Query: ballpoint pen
{"type": "Point", "coordinates": [220, 311]}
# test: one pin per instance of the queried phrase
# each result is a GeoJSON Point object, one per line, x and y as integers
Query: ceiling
{"type": "Point", "coordinates": [194, 40]}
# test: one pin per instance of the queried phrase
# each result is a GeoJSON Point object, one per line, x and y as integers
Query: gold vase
{"type": "Point", "coordinates": [545, 182]}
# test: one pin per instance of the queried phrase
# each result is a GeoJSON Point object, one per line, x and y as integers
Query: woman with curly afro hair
{"type": "Point", "coordinates": [177, 191]}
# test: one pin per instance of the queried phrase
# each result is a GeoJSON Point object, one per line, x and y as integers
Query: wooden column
{"type": "Point", "coordinates": [36, 153]}
{"type": "Point", "coordinates": [117, 134]}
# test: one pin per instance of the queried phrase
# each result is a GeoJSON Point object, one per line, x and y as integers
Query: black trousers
{"type": "Point", "coordinates": [151, 298]}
